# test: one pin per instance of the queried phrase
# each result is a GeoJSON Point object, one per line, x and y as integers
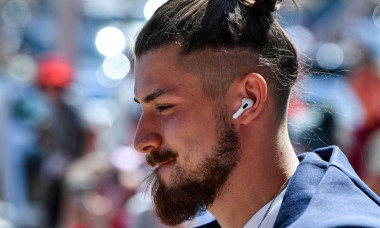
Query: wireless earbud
{"type": "Point", "coordinates": [246, 103]}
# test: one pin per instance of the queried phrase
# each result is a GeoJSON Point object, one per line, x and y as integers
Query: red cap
{"type": "Point", "coordinates": [54, 71]}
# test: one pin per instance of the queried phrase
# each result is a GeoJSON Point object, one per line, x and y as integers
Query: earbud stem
{"type": "Point", "coordinates": [238, 113]}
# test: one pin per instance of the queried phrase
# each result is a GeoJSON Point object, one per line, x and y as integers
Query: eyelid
{"type": "Point", "coordinates": [162, 108]}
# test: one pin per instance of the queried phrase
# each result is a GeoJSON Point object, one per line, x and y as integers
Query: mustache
{"type": "Point", "coordinates": [156, 157]}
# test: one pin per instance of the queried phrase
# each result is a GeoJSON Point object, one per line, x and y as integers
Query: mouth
{"type": "Point", "coordinates": [158, 158]}
{"type": "Point", "coordinates": [166, 163]}
{"type": "Point", "coordinates": [164, 170]}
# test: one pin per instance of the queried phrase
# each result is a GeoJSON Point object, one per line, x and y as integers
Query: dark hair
{"type": "Point", "coordinates": [247, 25]}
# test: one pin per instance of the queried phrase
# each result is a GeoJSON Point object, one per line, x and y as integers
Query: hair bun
{"type": "Point", "coordinates": [263, 5]}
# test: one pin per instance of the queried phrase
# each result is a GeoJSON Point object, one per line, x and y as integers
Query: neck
{"type": "Point", "coordinates": [262, 170]}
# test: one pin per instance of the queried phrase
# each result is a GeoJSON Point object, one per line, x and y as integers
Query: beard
{"type": "Point", "coordinates": [190, 194]}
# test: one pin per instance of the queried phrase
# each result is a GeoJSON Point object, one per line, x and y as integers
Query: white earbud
{"type": "Point", "coordinates": [246, 103]}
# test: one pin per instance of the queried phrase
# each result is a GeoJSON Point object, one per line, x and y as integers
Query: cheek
{"type": "Point", "coordinates": [193, 138]}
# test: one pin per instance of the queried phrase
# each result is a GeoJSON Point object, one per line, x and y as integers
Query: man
{"type": "Point", "coordinates": [197, 62]}
{"type": "Point", "coordinates": [60, 136]}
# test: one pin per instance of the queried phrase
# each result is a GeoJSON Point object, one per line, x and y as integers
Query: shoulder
{"type": "Point", "coordinates": [326, 192]}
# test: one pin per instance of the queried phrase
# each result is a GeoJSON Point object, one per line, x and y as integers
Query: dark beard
{"type": "Point", "coordinates": [189, 195]}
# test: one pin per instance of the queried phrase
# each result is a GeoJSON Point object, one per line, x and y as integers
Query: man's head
{"type": "Point", "coordinates": [189, 57]}
{"type": "Point", "coordinates": [246, 39]}
{"type": "Point", "coordinates": [189, 138]}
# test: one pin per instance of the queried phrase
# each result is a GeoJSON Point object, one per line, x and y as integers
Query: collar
{"type": "Point", "coordinates": [270, 218]}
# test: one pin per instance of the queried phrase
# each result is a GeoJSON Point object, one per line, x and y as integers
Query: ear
{"type": "Point", "coordinates": [252, 86]}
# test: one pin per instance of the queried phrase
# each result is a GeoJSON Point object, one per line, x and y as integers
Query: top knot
{"type": "Point", "coordinates": [263, 5]}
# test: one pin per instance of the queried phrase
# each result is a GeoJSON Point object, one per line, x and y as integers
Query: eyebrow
{"type": "Point", "coordinates": [153, 96]}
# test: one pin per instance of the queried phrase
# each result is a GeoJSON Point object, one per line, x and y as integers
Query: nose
{"type": "Point", "coordinates": [147, 137]}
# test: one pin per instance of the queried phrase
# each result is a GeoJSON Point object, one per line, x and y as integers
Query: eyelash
{"type": "Point", "coordinates": [162, 108]}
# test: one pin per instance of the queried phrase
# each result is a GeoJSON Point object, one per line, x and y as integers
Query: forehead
{"type": "Point", "coordinates": [162, 69]}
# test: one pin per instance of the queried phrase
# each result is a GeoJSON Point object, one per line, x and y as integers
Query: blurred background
{"type": "Point", "coordinates": [67, 116]}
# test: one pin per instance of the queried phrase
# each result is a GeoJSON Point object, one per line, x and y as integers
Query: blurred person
{"type": "Point", "coordinates": [213, 78]}
{"type": "Point", "coordinates": [4, 112]}
{"type": "Point", "coordinates": [23, 111]}
{"type": "Point", "coordinates": [99, 184]}
{"type": "Point", "coordinates": [365, 81]}
{"type": "Point", "coordinates": [60, 137]}
{"type": "Point", "coordinates": [372, 172]}
{"type": "Point", "coordinates": [95, 195]}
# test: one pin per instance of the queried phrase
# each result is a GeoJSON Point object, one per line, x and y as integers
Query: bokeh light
{"type": "Point", "coordinates": [116, 67]}
{"type": "Point", "coordinates": [16, 13]}
{"type": "Point", "coordinates": [302, 38]}
{"type": "Point", "coordinates": [22, 68]}
{"type": "Point", "coordinates": [330, 56]}
{"type": "Point", "coordinates": [105, 80]}
{"type": "Point", "coordinates": [151, 6]}
{"type": "Point", "coordinates": [97, 114]}
{"type": "Point", "coordinates": [376, 16]}
{"type": "Point", "coordinates": [110, 41]}
{"type": "Point", "coordinates": [97, 204]}
{"type": "Point", "coordinates": [10, 39]}
{"type": "Point", "coordinates": [131, 28]}
{"type": "Point", "coordinates": [127, 159]}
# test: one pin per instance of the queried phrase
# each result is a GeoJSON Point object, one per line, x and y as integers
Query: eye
{"type": "Point", "coordinates": [162, 108]}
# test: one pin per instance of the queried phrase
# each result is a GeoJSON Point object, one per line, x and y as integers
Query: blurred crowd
{"type": "Point", "coordinates": [67, 113]}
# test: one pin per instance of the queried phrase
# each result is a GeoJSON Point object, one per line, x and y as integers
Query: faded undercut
{"type": "Point", "coordinates": [244, 32]}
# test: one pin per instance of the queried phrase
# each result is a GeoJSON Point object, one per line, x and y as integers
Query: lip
{"type": "Point", "coordinates": [160, 165]}
{"type": "Point", "coordinates": [164, 169]}
{"type": "Point", "coordinates": [164, 163]}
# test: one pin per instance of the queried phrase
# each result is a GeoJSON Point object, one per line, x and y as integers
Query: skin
{"type": "Point", "coordinates": [176, 116]}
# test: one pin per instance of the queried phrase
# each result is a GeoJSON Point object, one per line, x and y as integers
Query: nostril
{"type": "Point", "coordinates": [149, 148]}
{"type": "Point", "coordinates": [146, 149]}
{"type": "Point", "coordinates": [147, 143]}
